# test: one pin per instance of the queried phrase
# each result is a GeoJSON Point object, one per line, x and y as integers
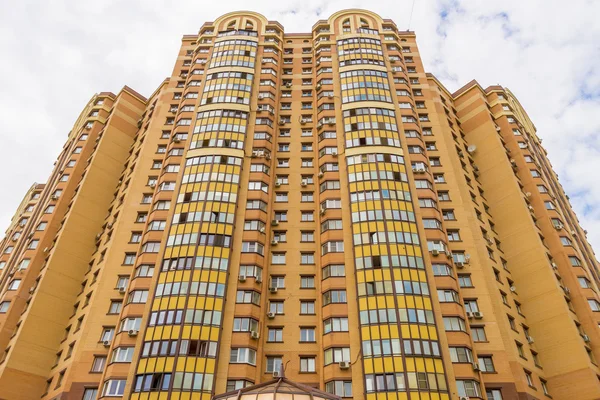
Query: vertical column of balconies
{"type": "Point", "coordinates": [181, 340]}
{"type": "Point", "coordinates": [400, 343]}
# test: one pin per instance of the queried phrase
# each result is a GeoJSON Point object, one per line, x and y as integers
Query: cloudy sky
{"type": "Point", "coordinates": [56, 54]}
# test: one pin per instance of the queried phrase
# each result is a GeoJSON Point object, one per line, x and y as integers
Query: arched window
{"type": "Point", "coordinates": [249, 25]}
{"type": "Point", "coordinates": [364, 23]}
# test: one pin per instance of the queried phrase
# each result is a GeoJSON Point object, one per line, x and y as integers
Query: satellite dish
{"type": "Point", "coordinates": [472, 148]}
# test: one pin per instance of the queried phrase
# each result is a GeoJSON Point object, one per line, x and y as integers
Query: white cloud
{"type": "Point", "coordinates": [55, 55]}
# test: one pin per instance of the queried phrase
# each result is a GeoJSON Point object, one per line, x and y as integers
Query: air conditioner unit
{"type": "Point", "coordinates": [98, 236]}
{"type": "Point", "coordinates": [435, 252]}
{"type": "Point", "coordinates": [54, 197]}
{"type": "Point", "coordinates": [302, 121]}
{"type": "Point", "coordinates": [331, 122]}
{"type": "Point", "coordinates": [476, 367]}
{"type": "Point", "coordinates": [463, 398]}
{"type": "Point", "coordinates": [276, 374]}
{"type": "Point", "coordinates": [264, 61]}
{"type": "Point", "coordinates": [303, 183]}
{"type": "Point", "coordinates": [152, 185]}
{"type": "Point", "coordinates": [530, 207]}
{"type": "Point", "coordinates": [260, 96]}
{"type": "Point", "coordinates": [558, 227]}
{"type": "Point", "coordinates": [176, 140]}
{"type": "Point", "coordinates": [262, 230]}
{"type": "Point", "coordinates": [242, 278]}
{"type": "Point", "coordinates": [258, 280]}
{"type": "Point", "coordinates": [46, 249]}
{"type": "Point", "coordinates": [513, 162]}
{"type": "Point", "coordinates": [574, 233]}
{"type": "Point", "coordinates": [419, 170]}
{"type": "Point", "coordinates": [254, 335]}
{"type": "Point", "coordinates": [318, 62]}
{"type": "Point", "coordinates": [498, 128]}
{"type": "Point", "coordinates": [277, 183]}
{"type": "Point", "coordinates": [528, 194]}
{"type": "Point", "coordinates": [282, 122]}
{"type": "Point", "coordinates": [478, 314]}
{"type": "Point", "coordinates": [288, 85]}
{"type": "Point", "coordinates": [32, 289]}
{"type": "Point", "coordinates": [274, 222]}
{"type": "Point", "coordinates": [274, 242]}
{"type": "Point", "coordinates": [467, 258]}
{"type": "Point", "coordinates": [122, 289]}
{"type": "Point", "coordinates": [530, 340]}
{"type": "Point", "coordinates": [273, 289]}
{"type": "Point", "coordinates": [109, 225]}
{"type": "Point", "coordinates": [132, 332]}
{"type": "Point", "coordinates": [323, 211]}
{"type": "Point", "coordinates": [459, 265]}
{"type": "Point", "coordinates": [344, 364]}
{"type": "Point", "coordinates": [30, 235]}
{"type": "Point", "coordinates": [392, 60]}
{"type": "Point", "coordinates": [319, 87]}
{"type": "Point", "coordinates": [321, 174]}
{"type": "Point", "coordinates": [470, 314]}
{"type": "Point", "coordinates": [554, 265]}
{"type": "Point", "coordinates": [270, 315]}
{"type": "Point", "coordinates": [567, 290]}
{"type": "Point", "coordinates": [513, 289]}
{"type": "Point", "coordinates": [106, 343]}
{"type": "Point", "coordinates": [586, 338]}
{"type": "Point", "coordinates": [330, 96]}
{"type": "Point", "coordinates": [334, 153]}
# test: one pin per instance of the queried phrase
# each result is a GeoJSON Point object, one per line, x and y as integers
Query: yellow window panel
{"type": "Point", "coordinates": [384, 331]}
{"type": "Point", "coordinates": [366, 332]}
{"type": "Point", "coordinates": [142, 366]}
{"type": "Point", "coordinates": [375, 332]}
{"type": "Point", "coordinates": [378, 365]}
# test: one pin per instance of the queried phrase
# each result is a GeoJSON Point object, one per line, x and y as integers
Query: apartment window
{"type": "Point", "coordinates": [114, 387]}
{"type": "Point", "coordinates": [237, 384]}
{"type": "Point", "coordinates": [439, 178]}
{"type": "Point", "coordinates": [339, 388]}
{"type": "Point", "coordinates": [141, 217]}
{"type": "Point", "coordinates": [335, 324]}
{"type": "Point", "coordinates": [334, 296]}
{"type": "Point", "coordinates": [594, 305]}
{"type": "Point", "coordinates": [443, 196]}
{"type": "Point", "coordinates": [575, 262]}
{"type": "Point", "coordinates": [453, 236]}
{"type": "Point", "coordinates": [431, 223]}
{"type": "Point", "coordinates": [14, 284]}
{"type": "Point", "coordinates": [461, 355]}
{"type": "Point", "coordinates": [136, 237]}
{"type": "Point", "coordinates": [307, 163]}
{"type": "Point", "coordinates": [98, 364]}
{"type": "Point", "coordinates": [275, 335]}
{"type": "Point", "coordinates": [307, 364]}
{"type": "Point", "coordinates": [41, 226]}
{"type": "Point", "coordinates": [529, 378]}
{"type": "Point", "coordinates": [122, 354]}
{"type": "Point", "coordinates": [478, 334]}
{"type": "Point", "coordinates": [281, 216]}
{"type": "Point", "coordinates": [273, 363]}
{"type": "Point", "coordinates": [307, 307]}
{"type": "Point", "coordinates": [281, 197]}
{"type": "Point", "coordinates": [307, 282]}
{"type": "Point", "coordinates": [243, 356]}
{"type": "Point", "coordinates": [307, 335]}
{"type": "Point", "coordinates": [307, 197]}
{"type": "Point", "coordinates": [307, 216]}
{"type": "Point", "coordinates": [107, 334]}
{"type": "Point", "coordinates": [115, 307]}
{"type": "Point", "coordinates": [278, 282]}
{"type": "Point", "coordinates": [464, 281]}
{"type": "Point", "coordinates": [146, 198]}
{"type": "Point", "coordinates": [277, 258]}
{"type": "Point", "coordinates": [4, 307]}
{"type": "Point", "coordinates": [129, 259]}
{"type": "Point", "coordinates": [566, 241]}
{"type": "Point", "coordinates": [448, 215]}
{"type": "Point", "coordinates": [468, 388]}
{"type": "Point", "coordinates": [90, 394]}
{"type": "Point", "coordinates": [545, 387]}
{"type": "Point", "coordinates": [137, 296]}
{"type": "Point", "coordinates": [486, 364]}
{"type": "Point", "coordinates": [584, 282]}
{"type": "Point", "coordinates": [307, 258]}
{"type": "Point", "coordinates": [471, 306]}
{"type": "Point", "coordinates": [494, 394]}
{"type": "Point", "coordinates": [280, 236]}
{"type": "Point", "coordinates": [307, 236]}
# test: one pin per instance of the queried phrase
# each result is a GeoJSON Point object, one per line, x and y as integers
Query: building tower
{"type": "Point", "coordinates": [315, 201]}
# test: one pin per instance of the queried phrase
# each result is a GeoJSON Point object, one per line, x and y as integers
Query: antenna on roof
{"type": "Point", "coordinates": [411, 13]}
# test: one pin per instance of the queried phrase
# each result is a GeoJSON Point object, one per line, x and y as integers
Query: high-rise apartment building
{"type": "Point", "coordinates": [316, 201]}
